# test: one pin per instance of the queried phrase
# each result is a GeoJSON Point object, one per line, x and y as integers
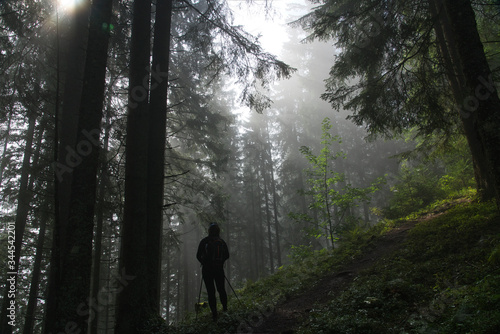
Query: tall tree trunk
{"type": "Point", "coordinates": [185, 269]}
{"type": "Point", "coordinates": [39, 250]}
{"type": "Point", "coordinates": [254, 232]}
{"type": "Point", "coordinates": [274, 194]}
{"type": "Point", "coordinates": [23, 208]}
{"type": "Point", "coordinates": [72, 279]}
{"type": "Point", "coordinates": [169, 269]}
{"type": "Point", "coordinates": [156, 148]}
{"type": "Point", "coordinates": [260, 228]}
{"type": "Point", "coordinates": [96, 272]}
{"type": "Point", "coordinates": [108, 321]}
{"type": "Point", "coordinates": [35, 278]}
{"type": "Point", "coordinates": [268, 221]}
{"type": "Point", "coordinates": [74, 52]}
{"type": "Point", "coordinates": [133, 307]}
{"type": "Point", "coordinates": [480, 98]}
{"type": "Point", "coordinates": [265, 178]}
{"type": "Point", "coordinates": [178, 296]}
{"type": "Point", "coordinates": [449, 52]}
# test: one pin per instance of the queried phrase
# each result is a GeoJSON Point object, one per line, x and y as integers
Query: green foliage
{"type": "Point", "coordinates": [258, 298]}
{"type": "Point", "coordinates": [415, 189]}
{"type": "Point", "coordinates": [332, 196]}
{"type": "Point", "coordinates": [388, 89]}
{"type": "Point", "coordinates": [299, 253]}
{"type": "Point", "coordinates": [440, 172]}
{"type": "Point", "coordinates": [439, 282]}
{"type": "Point", "coordinates": [494, 257]}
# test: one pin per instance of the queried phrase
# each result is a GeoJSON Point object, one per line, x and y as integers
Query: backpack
{"type": "Point", "coordinates": [216, 251]}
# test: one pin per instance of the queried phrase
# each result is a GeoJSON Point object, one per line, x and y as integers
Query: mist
{"type": "Point", "coordinates": [129, 127]}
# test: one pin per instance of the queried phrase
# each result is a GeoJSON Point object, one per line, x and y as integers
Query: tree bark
{"type": "Point", "coordinates": [70, 287]}
{"type": "Point", "coordinates": [268, 215]}
{"type": "Point", "coordinates": [133, 308]}
{"type": "Point", "coordinates": [480, 97]}
{"type": "Point", "coordinates": [35, 278]}
{"type": "Point", "coordinates": [275, 196]}
{"type": "Point", "coordinates": [167, 288]}
{"type": "Point", "coordinates": [96, 272]}
{"type": "Point", "coordinates": [74, 53]}
{"type": "Point", "coordinates": [156, 148]}
{"type": "Point", "coordinates": [453, 66]}
{"type": "Point", "coordinates": [254, 233]}
{"type": "Point", "coordinates": [185, 270]}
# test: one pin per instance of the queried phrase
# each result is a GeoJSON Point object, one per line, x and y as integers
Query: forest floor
{"type": "Point", "coordinates": [288, 315]}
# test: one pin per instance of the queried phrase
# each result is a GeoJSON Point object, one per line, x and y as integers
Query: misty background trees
{"type": "Point", "coordinates": [128, 126]}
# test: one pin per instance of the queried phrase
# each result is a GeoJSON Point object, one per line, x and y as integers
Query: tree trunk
{"type": "Point", "coordinates": [454, 69]}
{"type": "Point", "coordinates": [35, 278]}
{"type": "Point", "coordinates": [96, 272]}
{"type": "Point", "coordinates": [258, 220]}
{"type": "Point", "coordinates": [268, 217]}
{"type": "Point", "coordinates": [31, 309]}
{"type": "Point", "coordinates": [156, 148]}
{"type": "Point", "coordinates": [23, 208]}
{"type": "Point", "coordinates": [167, 298]}
{"type": "Point", "coordinates": [178, 296]}
{"type": "Point", "coordinates": [254, 237]}
{"type": "Point", "coordinates": [74, 52]}
{"type": "Point", "coordinates": [72, 279]}
{"type": "Point", "coordinates": [185, 269]}
{"type": "Point", "coordinates": [133, 307]}
{"type": "Point", "coordinates": [480, 101]}
{"type": "Point", "coordinates": [275, 197]}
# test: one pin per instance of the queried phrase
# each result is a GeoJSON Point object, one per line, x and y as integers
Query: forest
{"type": "Point", "coordinates": [305, 129]}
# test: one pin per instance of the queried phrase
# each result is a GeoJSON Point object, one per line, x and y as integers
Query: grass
{"type": "Point", "coordinates": [444, 279]}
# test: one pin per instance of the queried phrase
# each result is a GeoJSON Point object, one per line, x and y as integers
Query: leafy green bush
{"type": "Point", "coordinates": [414, 190]}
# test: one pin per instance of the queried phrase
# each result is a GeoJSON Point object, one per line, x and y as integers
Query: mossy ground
{"type": "Point", "coordinates": [445, 278]}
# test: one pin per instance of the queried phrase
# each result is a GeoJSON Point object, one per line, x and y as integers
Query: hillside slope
{"type": "Point", "coordinates": [292, 312]}
{"type": "Point", "coordinates": [437, 271]}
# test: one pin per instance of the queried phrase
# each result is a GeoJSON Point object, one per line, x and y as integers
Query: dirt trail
{"type": "Point", "coordinates": [288, 315]}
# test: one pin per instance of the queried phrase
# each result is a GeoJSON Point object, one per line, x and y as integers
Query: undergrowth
{"type": "Point", "coordinates": [444, 279]}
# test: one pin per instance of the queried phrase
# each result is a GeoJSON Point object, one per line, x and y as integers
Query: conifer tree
{"type": "Point", "coordinates": [69, 286]}
{"type": "Point", "coordinates": [386, 72]}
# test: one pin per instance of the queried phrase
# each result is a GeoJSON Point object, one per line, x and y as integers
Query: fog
{"type": "Point", "coordinates": [264, 176]}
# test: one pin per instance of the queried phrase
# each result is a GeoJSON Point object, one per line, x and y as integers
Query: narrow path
{"type": "Point", "coordinates": [288, 315]}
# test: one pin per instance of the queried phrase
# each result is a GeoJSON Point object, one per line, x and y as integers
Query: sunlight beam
{"type": "Point", "coordinates": [68, 5]}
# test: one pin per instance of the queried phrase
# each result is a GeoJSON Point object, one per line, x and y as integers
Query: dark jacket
{"type": "Point", "coordinates": [205, 258]}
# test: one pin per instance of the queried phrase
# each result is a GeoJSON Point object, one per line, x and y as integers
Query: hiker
{"type": "Point", "coordinates": [212, 253]}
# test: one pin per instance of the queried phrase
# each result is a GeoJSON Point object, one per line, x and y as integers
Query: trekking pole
{"type": "Point", "coordinates": [199, 297]}
{"type": "Point", "coordinates": [234, 291]}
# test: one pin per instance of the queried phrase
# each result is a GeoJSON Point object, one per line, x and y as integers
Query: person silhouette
{"type": "Point", "coordinates": [212, 253]}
